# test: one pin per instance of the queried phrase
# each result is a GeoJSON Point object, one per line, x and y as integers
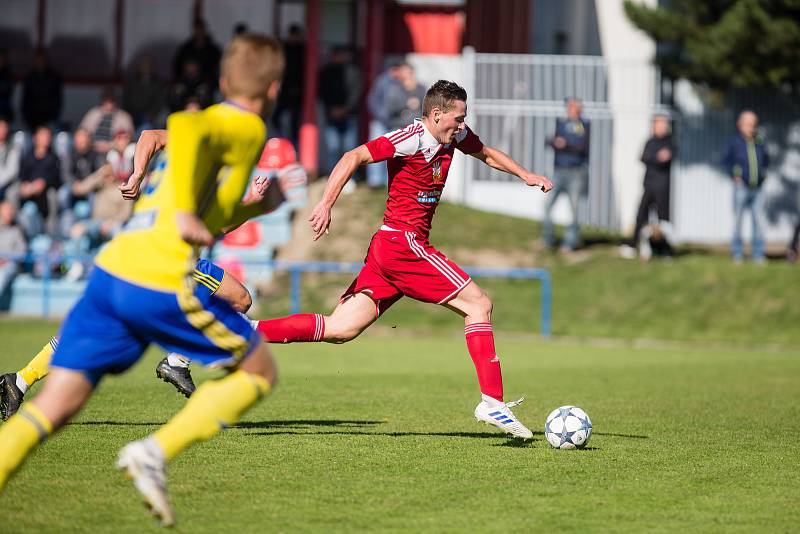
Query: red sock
{"type": "Point", "coordinates": [299, 327]}
{"type": "Point", "coordinates": [480, 343]}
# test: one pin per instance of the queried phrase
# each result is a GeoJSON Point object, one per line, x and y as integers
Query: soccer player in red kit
{"type": "Point", "coordinates": [400, 260]}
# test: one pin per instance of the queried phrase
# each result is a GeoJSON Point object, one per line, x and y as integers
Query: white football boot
{"type": "Point", "coordinates": [144, 464]}
{"type": "Point", "coordinates": [500, 415]}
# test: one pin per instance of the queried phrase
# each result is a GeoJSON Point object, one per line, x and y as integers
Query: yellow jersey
{"type": "Point", "coordinates": [210, 155]}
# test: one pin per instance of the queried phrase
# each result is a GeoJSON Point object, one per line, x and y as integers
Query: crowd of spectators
{"type": "Point", "coordinates": [59, 182]}
{"type": "Point", "coordinates": [58, 185]}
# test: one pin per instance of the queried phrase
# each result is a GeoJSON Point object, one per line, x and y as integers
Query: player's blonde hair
{"type": "Point", "coordinates": [250, 64]}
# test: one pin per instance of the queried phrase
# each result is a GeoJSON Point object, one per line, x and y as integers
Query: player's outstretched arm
{"type": "Point", "coordinates": [264, 197]}
{"type": "Point", "coordinates": [497, 159]}
{"type": "Point", "coordinates": [320, 218]}
{"type": "Point", "coordinates": [150, 142]}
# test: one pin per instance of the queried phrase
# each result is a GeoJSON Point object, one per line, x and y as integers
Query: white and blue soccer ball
{"type": "Point", "coordinates": [568, 427]}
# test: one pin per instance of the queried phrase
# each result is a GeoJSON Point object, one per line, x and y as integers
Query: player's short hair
{"type": "Point", "coordinates": [441, 95]}
{"type": "Point", "coordinates": [250, 64]}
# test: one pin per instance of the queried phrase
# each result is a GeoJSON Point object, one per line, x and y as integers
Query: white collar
{"type": "Point", "coordinates": [428, 144]}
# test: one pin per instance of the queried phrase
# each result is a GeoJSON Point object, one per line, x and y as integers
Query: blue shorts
{"type": "Point", "coordinates": [112, 324]}
{"type": "Point", "coordinates": [208, 277]}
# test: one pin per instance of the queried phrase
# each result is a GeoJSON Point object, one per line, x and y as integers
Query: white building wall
{"type": "Point", "coordinates": [628, 53]}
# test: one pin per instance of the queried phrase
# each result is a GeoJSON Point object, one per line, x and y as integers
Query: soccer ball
{"type": "Point", "coordinates": [568, 427]}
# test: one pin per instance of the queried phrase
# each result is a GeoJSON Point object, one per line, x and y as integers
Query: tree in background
{"type": "Point", "coordinates": [725, 43]}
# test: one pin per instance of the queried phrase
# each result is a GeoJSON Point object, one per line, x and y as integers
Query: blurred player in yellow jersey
{"type": "Point", "coordinates": [141, 289]}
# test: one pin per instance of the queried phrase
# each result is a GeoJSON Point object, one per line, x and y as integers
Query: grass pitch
{"type": "Point", "coordinates": [378, 435]}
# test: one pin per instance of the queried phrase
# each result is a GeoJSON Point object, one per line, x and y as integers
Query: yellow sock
{"type": "Point", "coordinates": [215, 405]}
{"type": "Point", "coordinates": [38, 367]}
{"type": "Point", "coordinates": [19, 436]}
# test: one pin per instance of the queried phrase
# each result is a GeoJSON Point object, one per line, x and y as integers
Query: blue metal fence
{"type": "Point", "coordinates": [297, 268]}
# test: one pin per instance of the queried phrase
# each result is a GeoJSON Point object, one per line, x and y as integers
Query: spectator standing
{"type": "Point", "coordinates": [6, 88]}
{"type": "Point", "coordinates": [143, 95]}
{"type": "Point", "coordinates": [191, 90]}
{"type": "Point", "coordinates": [9, 158]}
{"type": "Point", "coordinates": [41, 94]}
{"type": "Point", "coordinates": [103, 120]}
{"type": "Point", "coordinates": [12, 243]}
{"type": "Point", "coordinates": [570, 174]}
{"type": "Point", "coordinates": [745, 159]}
{"type": "Point", "coordinates": [657, 156]}
{"type": "Point", "coordinates": [404, 99]}
{"type": "Point", "coordinates": [377, 104]}
{"type": "Point", "coordinates": [340, 88]}
{"type": "Point", "coordinates": [39, 174]}
{"type": "Point", "coordinates": [290, 100]}
{"type": "Point", "coordinates": [203, 51]}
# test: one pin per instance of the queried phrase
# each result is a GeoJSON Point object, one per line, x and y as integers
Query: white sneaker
{"type": "Point", "coordinates": [144, 464]}
{"type": "Point", "coordinates": [627, 252]}
{"type": "Point", "coordinates": [501, 416]}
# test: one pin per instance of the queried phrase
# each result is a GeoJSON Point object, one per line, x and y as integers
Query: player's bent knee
{"type": "Point", "coordinates": [339, 335]}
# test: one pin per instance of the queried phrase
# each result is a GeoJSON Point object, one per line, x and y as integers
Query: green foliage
{"type": "Point", "coordinates": [725, 43]}
{"type": "Point", "coordinates": [378, 436]}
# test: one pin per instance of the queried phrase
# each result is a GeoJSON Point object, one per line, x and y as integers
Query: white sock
{"type": "Point", "coordinates": [491, 401]}
{"type": "Point", "coordinates": [176, 360]}
{"type": "Point", "coordinates": [21, 384]}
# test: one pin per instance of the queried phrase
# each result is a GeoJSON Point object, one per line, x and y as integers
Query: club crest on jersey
{"type": "Point", "coordinates": [437, 171]}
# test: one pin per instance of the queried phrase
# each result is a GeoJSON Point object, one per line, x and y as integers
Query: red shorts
{"type": "Point", "coordinates": [399, 263]}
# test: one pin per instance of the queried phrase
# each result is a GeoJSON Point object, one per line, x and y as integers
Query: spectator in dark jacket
{"type": "Point", "coordinates": [570, 175]}
{"type": "Point", "coordinates": [657, 156]}
{"type": "Point", "coordinates": [143, 95]}
{"type": "Point", "coordinates": [200, 49]}
{"type": "Point", "coordinates": [83, 162]}
{"type": "Point", "coordinates": [41, 94]}
{"type": "Point", "coordinates": [404, 99]}
{"type": "Point", "coordinates": [191, 90]}
{"type": "Point", "coordinates": [379, 117]}
{"type": "Point", "coordinates": [340, 89]}
{"type": "Point", "coordinates": [39, 173]}
{"type": "Point", "coordinates": [745, 160]}
{"type": "Point", "coordinates": [6, 88]}
{"type": "Point", "coordinates": [290, 99]}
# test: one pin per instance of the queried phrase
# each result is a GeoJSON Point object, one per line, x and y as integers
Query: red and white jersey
{"type": "Point", "coordinates": [417, 165]}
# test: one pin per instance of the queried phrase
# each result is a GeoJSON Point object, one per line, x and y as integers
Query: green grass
{"type": "Point", "coordinates": [378, 435]}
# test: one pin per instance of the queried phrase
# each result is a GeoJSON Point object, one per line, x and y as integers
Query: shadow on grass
{"type": "Point", "coordinates": [248, 424]}
{"type": "Point", "coordinates": [630, 436]}
{"type": "Point", "coordinates": [306, 427]}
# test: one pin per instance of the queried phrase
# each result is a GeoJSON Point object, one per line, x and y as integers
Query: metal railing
{"type": "Point", "coordinates": [297, 268]}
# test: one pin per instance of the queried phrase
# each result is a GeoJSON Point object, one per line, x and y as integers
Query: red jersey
{"type": "Point", "coordinates": [417, 165]}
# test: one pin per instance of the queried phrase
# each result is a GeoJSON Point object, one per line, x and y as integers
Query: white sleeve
{"type": "Point", "coordinates": [405, 140]}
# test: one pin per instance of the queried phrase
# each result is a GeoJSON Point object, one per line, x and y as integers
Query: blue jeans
{"type": "Point", "coordinates": [377, 172]}
{"type": "Point", "coordinates": [572, 181]}
{"type": "Point", "coordinates": [339, 138]}
{"type": "Point", "coordinates": [30, 219]}
{"type": "Point", "coordinates": [745, 197]}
